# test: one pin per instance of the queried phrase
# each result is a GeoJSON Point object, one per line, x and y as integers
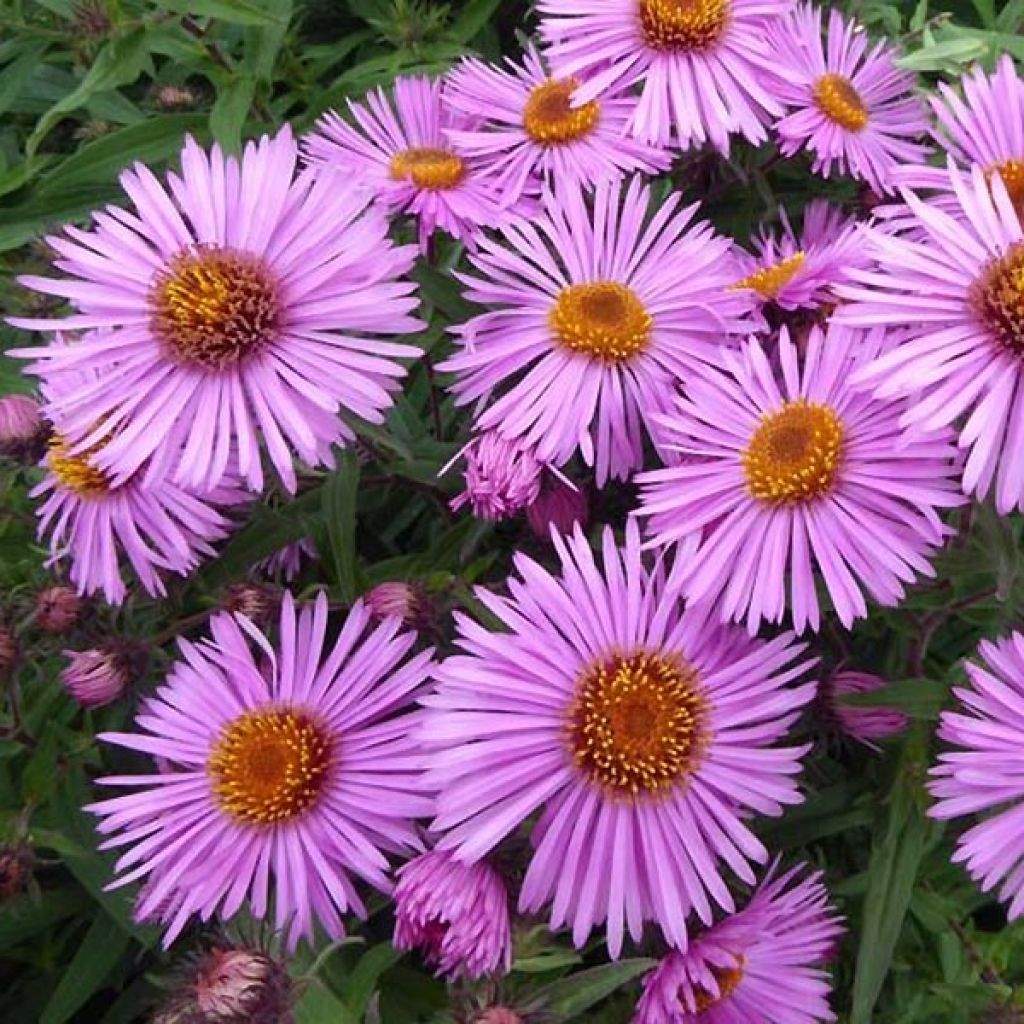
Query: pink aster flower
{"type": "Point", "coordinates": [643, 736]}
{"type": "Point", "coordinates": [954, 289]}
{"type": "Point", "coordinates": [800, 271]}
{"type": "Point", "coordinates": [982, 774]}
{"type": "Point", "coordinates": [502, 477]}
{"type": "Point", "coordinates": [22, 429]}
{"type": "Point", "coordinates": [288, 773]}
{"type": "Point", "coordinates": [236, 307]}
{"type": "Point", "coordinates": [456, 914]}
{"type": "Point", "coordinates": [400, 151]}
{"type": "Point", "coordinates": [529, 130]}
{"type": "Point", "coordinates": [596, 313]}
{"type": "Point", "coordinates": [864, 724]}
{"type": "Point", "coordinates": [791, 470]}
{"type": "Point", "coordinates": [761, 965]}
{"type": "Point", "coordinates": [984, 127]}
{"type": "Point", "coordinates": [854, 108]}
{"type": "Point", "coordinates": [706, 69]}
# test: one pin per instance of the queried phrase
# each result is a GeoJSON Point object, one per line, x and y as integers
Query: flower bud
{"type": "Point", "coordinates": [176, 97]}
{"type": "Point", "coordinates": [8, 650]}
{"type": "Point", "coordinates": [558, 505]}
{"type": "Point", "coordinates": [241, 986]}
{"type": "Point", "coordinates": [16, 862]}
{"type": "Point", "coordinates": [57, 609]}
{"type": "Point", "coordinates": [502, 477]}
{"type": "Point", "coordinates": [499, 1015]}
{"type": "Point", "coordinates": [257, 601]}
{"type": "Point", "coordinates": [409, 601]}
{"type": "Point", "coordinates": [98, 676]}
{"type": "Point", "coordinates": [22, 428]}
{"type": "Point", "coordinates": [863, 724]}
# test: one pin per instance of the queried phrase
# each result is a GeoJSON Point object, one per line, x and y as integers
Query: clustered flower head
{"type": "Point", "coordinates": [792, 427]}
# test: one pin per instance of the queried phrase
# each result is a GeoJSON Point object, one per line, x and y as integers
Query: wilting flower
{"type": "Point", "coordinates": [57, 609]}
{"type": "Point", "coordinates": [98, 676]}
{"type": "Point", "coordinates": [788, 471]}
{"type": "Point", "coordinates": [409, 602]}
{"type": "Point", "coordinates": [456, 914]}
{"type": "Point", "coordinates": [399, 150]}
{"type": "Point", "coordinates": [559, 505]}
{"type": "Point", "coordinates": [706, 68]}
{"type": "Point", "coordinates": [288, 774]}
{"type": "Point", "coordinates": [257, 601]}
{"type": "Point", "coordinates": [502, 477]}
{"type": "Point", "coordinates": [982, 128]}
{"type": "Point", "coordinates": [981, 774]}
{"type": "Point", "coordinates": [642, 735]}
{"type": "Point", "coordinates": [800, 271]}
{"type": "Point", "coordinates": [855, 110]}
{"type": "Point", "coordinates": [231, 311]}
{"type": "Point", "coordinates": [955, 294]}
{"type": "Point", "coordinates": [22, 429]}
{"type": "Point", "coordinates": [761, 965]}
{"type": "Point", "coordinates": [861, 723]}
{"type": "Point", "coordinates": [527, 129]}
{"type": "Point", "coordinates": [597, 313]}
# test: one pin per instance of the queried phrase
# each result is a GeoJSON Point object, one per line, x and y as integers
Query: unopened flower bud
{"type": "Point", "coordinates": [558, 505]}
{"type": "Point", "coordinates": [499, 1015]}
{"type": "Point", "coordinates": [98, 676]}
{"type": "Point", "coordinates": [8, 650]}
{"type": "Point", "coordinates": [22, 429]}
{"type": "Point", "coordinates": [57, 609]}
{"type": "Point", "coordinates": [176, 97]}
{"type": "Point", "coordinates": [257, 601]}
{"type": "Point", "coordinates": [241, 986]}
{"type": "Point", "coordinates": [863, 724]}
{"type": "Point", "coordinates": [409, 601]}
{"type": "Point", "coordinates": [91, 17]}
{"type": "Point", "coordinates": [16, 862]}
{"type": "Point", "coordinates": [502, 477]}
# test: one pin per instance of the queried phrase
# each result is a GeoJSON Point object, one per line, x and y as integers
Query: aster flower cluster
{"type": "Point", "coordinates": [604, 728]}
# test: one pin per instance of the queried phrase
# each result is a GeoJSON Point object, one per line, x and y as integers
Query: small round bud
{"type": "Point", "coordinates": [176, 97]}
{"type": "Point", "coordinates": [22, 428]}
{"type": "Point", "coordinates": [16, 862]}
{"type": "Point", "coordinates": [558, 505]}
{"type": "Point", "coordinates": [8, 650]}
{"type": "Point", "coordinates": [233, 986]}
{"type": "Point", "coordinates": [499, 1015]}
{"type": "Point", "coordinates": [98, 676]}
{"type": "Point", "coordinates": [57, 609]}
{"type": "Point", "coordinates": [256, 601]}
{"type": "Point", "coordinates": [409, 601]}
{"type": "Point", "coordinates": [91, 17]}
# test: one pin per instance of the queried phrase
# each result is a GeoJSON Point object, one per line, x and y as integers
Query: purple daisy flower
{"type": "Point", "coordinates": [761, 965]}
{"type": "Point", "coordinates": [985, 128]}
{"type": "Point", "coordinates": [643, 736]}
{"type": "Point", "coordinates": [706, 68]}
{"type": "Point", "coordinates": [502, 477]}
{"type": "Point", "coordinates": [982, 774]}
{"type": "Point", "coordinates": [528, 129]}
{"type": "Point", "coordinates": [864, 724]}
{"type": "Point", "coordinates": [98, 523]}
{"type": "Point", "coordinates": [784, 471]}
{"type": "Point", "coordinates": [854, 108]}
{"type": "Point", "coordinates": [456, 914]}
{"type": "Point", "coordinates": [954, 290]}
{"type": "Point", "coordinates": [399, 150]}
{"type": "Point", "coordinates": [597, 312]}
{"type": "Point", "coordinates": [285, 774]}
{"type": "Point", "coordinates": [232, 307]}
{"type": "Point", "coordinates": [800, 271]}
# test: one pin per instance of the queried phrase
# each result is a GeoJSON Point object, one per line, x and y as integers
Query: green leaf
{"type": "Point", "coordinates": [92, 963]}
{"type": "Point", "coordinates": [230, 111]}
{"type": "Point", "coordinates": [18, 71]}
{"type": "Point", "coordinates": [919, 698]}
{"type": "Point", "coordinates": [892, 872]}
{"type": "Point", "coordinates": [118, 63]}
{"type": "Point", "coordinates": [21, 921]}
{"type": "Point", "coordinates": [235, 12]}
{"type": "Point", "coordinates": [263, 43]}
{"type": "Point", "coordinates": [474, 16]}
{"type": "Point", "coordinates": [360, 984]}
{"type": "Point", "coordinates": [339, 508]}
{"type": "Point", "coordinates": [319, 1005]}
{"type": "Point", "coordinates": [552, 960]}
{"type": "Point", "coordinates": [942, 56]}
{"type": "Point", "coordinates": [570, 996]}
{"type": "Point", "coordinates": [150, 142]}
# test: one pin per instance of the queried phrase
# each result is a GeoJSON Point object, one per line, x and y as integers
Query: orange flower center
{"type": "Point", "coordinates": [840, 102]}
{"type": "Point", "coordinates": [214, 307]}
{"type": "Point", "coordinates": [1012, 173]}
{"type": "Point", "coordinates": [76, 473]}
{"type": "Point", "coordinates": [550, 119]}
{"type": "Point", "coordinates": [427, 167]}
{"type": "Point", "coordinates": [270, 766]}
{"type": "Point", "coordinates": [636, 725]}
{"type": "Point", "coordinates": [683, 26]}
{"type": "Point", "coordinates": [769, 281]}
{"type": "Point", "coordinates": [728, 978]}
{"type": "Point", "coordinates": [604, 320]}
{"type": "Point", "coordinates": [795, 454]}
{"type": "Point", "coordinates": [997, 298]}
